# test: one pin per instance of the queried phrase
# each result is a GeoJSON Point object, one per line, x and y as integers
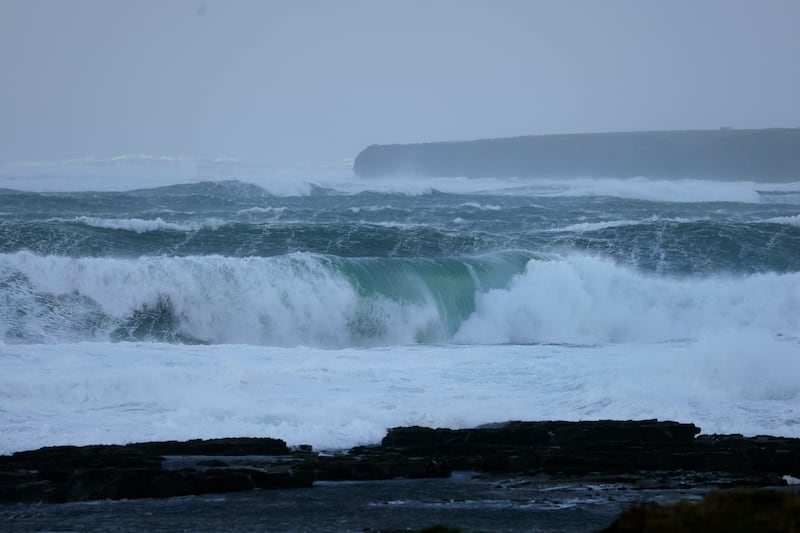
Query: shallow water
{"type": "Point", "coordinates": [498, 505]}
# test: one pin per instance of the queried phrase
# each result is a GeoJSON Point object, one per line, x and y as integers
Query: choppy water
{"type": "Point", "coordinates": [324, 309]}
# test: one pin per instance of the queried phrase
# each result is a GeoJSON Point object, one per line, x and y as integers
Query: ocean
{"type": "Point", "coordinates": [155, 298]}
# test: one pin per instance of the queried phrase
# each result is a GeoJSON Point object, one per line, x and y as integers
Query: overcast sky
{"type": "Point", "coordinates": [308, 82]}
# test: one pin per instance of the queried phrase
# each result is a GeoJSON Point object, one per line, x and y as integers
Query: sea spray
{"type": "Point", "coordinates": [590, 300]}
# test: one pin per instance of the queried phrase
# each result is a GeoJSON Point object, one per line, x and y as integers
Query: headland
{"type": "Point", "coordinates": [767, 155]}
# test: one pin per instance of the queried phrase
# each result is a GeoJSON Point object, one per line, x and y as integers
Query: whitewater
{"type": "Point", "coordinates": [146, 298]}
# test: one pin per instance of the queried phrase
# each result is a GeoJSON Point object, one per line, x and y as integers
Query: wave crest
{"type": "Point", "coordinates": [139, 225]}
{"type": "Point", "coordinates": [329, 301]}
{"type": "Point", "coordinates": [588, 300]}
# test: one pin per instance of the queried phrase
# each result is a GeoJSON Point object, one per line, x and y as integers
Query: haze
{"type": "Point", "coordinates": [314, 82]}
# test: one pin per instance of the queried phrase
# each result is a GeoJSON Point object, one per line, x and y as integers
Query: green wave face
{"type": "Point", "coordinates": [450, 285]}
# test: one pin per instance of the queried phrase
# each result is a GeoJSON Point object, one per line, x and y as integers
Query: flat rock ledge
{"type": "Point", "coordinates": [648, 453]}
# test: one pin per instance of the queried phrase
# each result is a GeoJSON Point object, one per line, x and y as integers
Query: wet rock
{"type": "Point", "coordinates": [646, 452]}
{"type": "Point", "coordinates": [765, 511]}
{"type": "Point", "coordinates": [541, 434]}
{"type": "Point", "coordinates": [553, 447]}
{"type": "Point", "coordinates": [129, 483]}
{"type": "Point", "coordinates": [53, 460]}
{"type": "Point", "coordinates": [228, 446]}
{"type": "Point", "coordinates": [368, 464]}
{"type": "Point", "coordinates": [78, 473]}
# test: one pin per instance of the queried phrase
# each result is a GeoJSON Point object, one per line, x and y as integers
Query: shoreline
{"type": "Point", "coordinates": [587, 476]}
{"type": "Point", "coordinates": [646, 453]}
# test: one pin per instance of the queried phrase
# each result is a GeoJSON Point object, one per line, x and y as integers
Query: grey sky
{"type": "Point", "coordinates": [303, 82]}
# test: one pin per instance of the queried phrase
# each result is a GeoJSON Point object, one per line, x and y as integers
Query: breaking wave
{"type": "Point", "coordinates": [139, 225]}
{"type": "Point", "coordinates": [328, 301]}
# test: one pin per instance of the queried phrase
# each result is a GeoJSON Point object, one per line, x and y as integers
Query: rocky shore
{"type": "Point", "coordinates": [647, 453]}
{"type": "Point", "coordinates": [744, 511]}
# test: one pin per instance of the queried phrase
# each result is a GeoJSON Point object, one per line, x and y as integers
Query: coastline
{"type": "Point", "coordinates": [764, 155]}
{"type": "Point", "coordinates": [572, 461]}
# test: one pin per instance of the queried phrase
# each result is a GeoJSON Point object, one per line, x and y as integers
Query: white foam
{"type": "Point", "coordinates": [606, 224]}
{"type": "Point", "coordinates": [660, 190]}
{"type": "Point", "coordinates": [140, 225]}
{"type": "Point", "coordinates": [791, 221]}
{"type": "Point", "coordinates": [278, 211]}
{"type": "Point", "coordinates": [640, 188]}
{"type": "Point", "coordinates": [275, 301]}
{"type": "Point", "coordinates": [595, 226]}
{"type": "Point", "coordinates": [115, 393]}
{"type": "Point", "coordinates": [397, 225]}
{"type": "Point", "coordinates": [370, 209]}
{"type": "Point", "coordinates": [481, 207]}
{"type": "Point", "coordinates": [585, 299]}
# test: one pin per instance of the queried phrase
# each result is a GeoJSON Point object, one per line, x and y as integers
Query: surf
{"type": "Point", "coordinates": [514, 297]}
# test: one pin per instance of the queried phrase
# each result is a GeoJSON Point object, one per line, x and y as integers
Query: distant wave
{"type": "Point", "coordinates": [681, 191]}
{"type": "Point", "coordinates": [481, 207]}
{"type": "Point", "coordinates": [370, 209]}
{"type": "Point", "coordinates": [642, 188]}
{"type": "Point", "coordinates": [606, 224]}
{"type": "Point", "coordinates": [791, 221]}
{"type": "Point", "coordinates": [129, 172]}
{"type": "Point", "coordinates": [140, 225]}
{"type": "Point", "coordinates": [594, 226]}
{"type": "Point", "coordinates": [262, 210]}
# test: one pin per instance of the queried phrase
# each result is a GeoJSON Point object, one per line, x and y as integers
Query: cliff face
{"type": "Point", "coordinates": [725, 154]}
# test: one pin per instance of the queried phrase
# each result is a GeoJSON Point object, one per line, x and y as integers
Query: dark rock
{"type": "Point", "coordinates": [280, 477]}
{"type": "Point", "coordinates": [368, 464]}
{"type": "Point", "coordinates": [612, 447]}
{"type": "Point", "coordinates": [541, 435]}
{"type": "Point", "coordinates": [645, 453]}
{"type": "Point", "coordinates": [76, 473]}
{"type": "Point", "coordinates": [128, 483]}
{"type": "Point", "coordinates": [765, 511]}
{"type": "Point", "coordinates": [605, 432]}
{"type": "Point", "coordinates": [52, 461]}
{"type": "Point", "coordinates": [229, 446]}
{"type": "Point", "coordinates": [211, 463]}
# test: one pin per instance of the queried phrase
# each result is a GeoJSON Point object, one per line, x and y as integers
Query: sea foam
{"type": "Point", "coordinates": [139, 225]}
{"type": "Point", "coordinates": [585, 299]}
{"type": "Point", "coordinates": [90, 393]}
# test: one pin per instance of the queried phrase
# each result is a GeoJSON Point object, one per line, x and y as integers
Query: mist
{"type": "Point", "coordinates": [314, 82]}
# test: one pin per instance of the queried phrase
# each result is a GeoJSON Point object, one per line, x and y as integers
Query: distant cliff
{"type": "Point", "coordinates": [724, 154]}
